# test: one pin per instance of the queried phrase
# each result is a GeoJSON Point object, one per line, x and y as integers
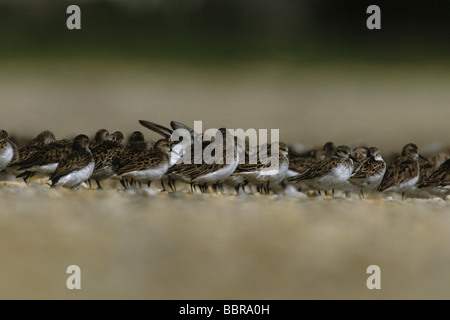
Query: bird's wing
{"type": "Point", "coordinates": [400, 171]}
{"type": "Point", "coordinates": [74, 161]}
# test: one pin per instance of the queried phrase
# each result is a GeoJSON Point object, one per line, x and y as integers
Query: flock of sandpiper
{"type": "Point", "coordinates": [360, 170]}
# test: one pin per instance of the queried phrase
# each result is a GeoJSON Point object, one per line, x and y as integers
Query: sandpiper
{"type": "Point", "coordinates": [358, 155]}
{"type": "Point", "coordinates": [301, 163]}
{"type": "Point", "coordinates": [429, 166]}
{"type": "Point", "coordinates": [178, 168]}
{"type": "Point", "coordinates": [177, 149]}
{"type": "Point", "coordinates": [135, 146]}
{"type": "Point", "coordinates": [75, 168]}
{"type": "Point", "coordinates": [213, 172]}
{"type": "Point", "coordinates": [370, 172]}
{"type": "Point", "coordinates": [148, 166]}
{"type": "Point", "coordinates": [45, 161]}
{"type": "Point", "coordinates": [42, 140]}
{"type": "Point", "coordinates": [99, 137]}
{"type": "Point", "coordinates": [438, 183]}
{"type": "Point", "coordinates": [264, 173]}
{"type": "Point", "coordinates": [402, 175]}
{"type": "Point", "coordinates": [105, 154]}
{"type": "Point", "coordinates": [328, 174]}
{"type": "Point", "coordinates": [8, 150]}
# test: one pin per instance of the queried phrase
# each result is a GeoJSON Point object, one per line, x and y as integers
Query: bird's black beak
{"type": "Point", "coordinates": [422, 157]}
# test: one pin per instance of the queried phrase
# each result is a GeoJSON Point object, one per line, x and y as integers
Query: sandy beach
{"type": "Point", "coordinates": [147, 245]}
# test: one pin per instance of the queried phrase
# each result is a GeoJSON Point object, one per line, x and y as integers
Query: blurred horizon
{"type": "Point", "coordinates": [309, 68]}
{"type": "Point", "coordinates": [229, 31]}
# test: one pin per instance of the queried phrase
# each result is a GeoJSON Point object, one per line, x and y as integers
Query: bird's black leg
{"type": "Point", "coordinates": [173, 184]}
{"type": "Point", "coordinates": [98, 184]}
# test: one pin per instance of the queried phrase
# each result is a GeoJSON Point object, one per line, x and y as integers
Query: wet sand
{"type": "Point", "coordinates": [145, 245]}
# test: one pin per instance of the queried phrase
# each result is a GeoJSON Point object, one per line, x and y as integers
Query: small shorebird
{"type": "Point", "coordinates": [235, 180]}
{"type": "Point", "coordinates": [99, 137]}
{"type": "Point", "coordinates": [358, 155]}
{"type": "Point", "coordinates": [264, 173]}
{"type": "Point", "coordinates": [370, 172]}
{"type": "Point", "coordinates": [135, 146]}
{"type": "Point", "coordinates": [300, 164]}
{"type": "Point", "coordinates": [149, 165]}
{"type": "Point", "coordinates": [176, 147]}
{"type": "Point", "coordinates": [429, 166]}
{"type": "Point", "coordinates": [42, 140]}
{"type": "Point", "coordinates": [45, 161]}
{"type": "Point", "coordinates": [328, 174]}
{"type": "Point", "coordinates": [8, 150]}
{"type": "Point", "coordinates": [75, 168]}
{"type": "Point", "coordinates": [214, 171]}
{"type": "Point", "coordinates": [180, 170]}
{"type": "Point", "coordinates": [104, 154]}
{"type": "Point", "coordinates": [438, 183]}
{"type": "Point", "coordinates": [402, 175]}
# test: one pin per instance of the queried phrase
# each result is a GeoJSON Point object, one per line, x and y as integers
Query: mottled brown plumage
{"type": "Point", "coordinates": [148, 165]}
{"type": "Point", "coordinates": [3, 138]}
{"type": "Point", "coordinates": [370, 166]}
{"type": "Point", "coordinates": [100, 136]}
{"type": "Point", "coordinates": [135, 146]}
{"type": "Point", "coordinates": [105, 155]}
{"type": "Point", "coordinates": [80, 158]}
{"type": "Point", "coordinates": [328, 174]}
{"type": "Point", "coordinates": [265, 174]}
{"type": "Point", "coordinates": [8, 150]}
{"type": "Point", "coordinates": [34, 146]}
{"type": "Point", "coordinates": [107, 151]}
{"type": "Point", "coordinates": [429, 166]}
{"type": "Point", "coordinates": [48, 154]}
{"type": "Point", "coordinates": [323, 167]}
{"type": "Point", "coordinates": [402, 174]}
{"type": "Point", "coordinates": [302, 163]}
{"type": "Point", "coordinates": [210, 172]}
{"type": "Point", "coordinates": [370, 172]}
{"type": "Point", "coordinates": [359, 154]}
{"type": "Point", "coordinates": [439, 178]}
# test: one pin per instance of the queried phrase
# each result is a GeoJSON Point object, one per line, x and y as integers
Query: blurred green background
{"type": "Point", "coordinates": [229, 31]}
{"type": "Point", "coordinates": [309, 68]}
